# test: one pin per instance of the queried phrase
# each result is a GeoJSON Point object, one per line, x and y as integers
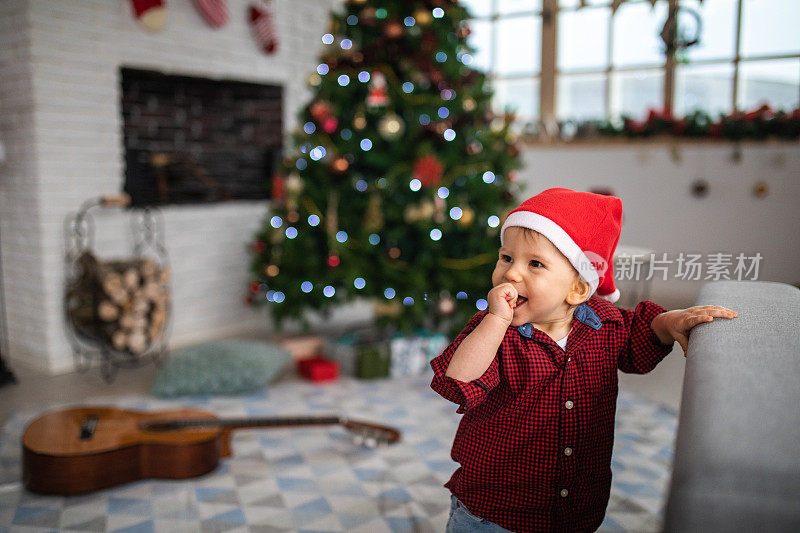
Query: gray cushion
{"type": "Point", "coordinates": [224, 367]}
{"type": "Point", "coordinates": [737, 454]}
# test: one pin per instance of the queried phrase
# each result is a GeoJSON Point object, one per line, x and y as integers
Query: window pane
{"type": "Point", "coordinates": [718, 35]}
{"type": "Point", "coordinates": [576, 3]}
{"type": "Point", "coordinates": [478, 8]}
{"type": "Point", "coordinates": [480, 38]}
{"type": "Point", "coordinates": [583, 39]}
{"type": "Point", "coordinates": [769, 27]}
{"type": "Point", "coordinates": [775, 82]}
{"type": "Point", "coordinates": [706, 88]}
{"type": "Point", "coordinates": [637, 29]}
{"type": "Point", "coordinates": [515, 6]}
{"type": "Point", "coordinates": [633, 93]}
{"type": "Point", "coordinates": [521, 95]}
{"type": "Point", "coordinates": [519, 45]}
{"type": "Point", "coordinates": [581, 97]}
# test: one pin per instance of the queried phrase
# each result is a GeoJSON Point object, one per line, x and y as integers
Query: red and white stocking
{"type": "Point", "coordinates": [214, 12]}
{"type": "Point", "coordinates": [152, 14]}
{"type": "Point", "coordinates": [263, 24]}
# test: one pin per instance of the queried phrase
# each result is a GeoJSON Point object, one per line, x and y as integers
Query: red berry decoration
{"type": "Point", "coordinates": [333, 261]}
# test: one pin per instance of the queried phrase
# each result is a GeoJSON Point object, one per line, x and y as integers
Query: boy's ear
{"type": "Point", "coordinates": [580, 291]}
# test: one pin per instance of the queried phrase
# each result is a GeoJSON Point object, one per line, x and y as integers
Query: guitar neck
{"type": "Point", "coordinates": [241, 423]}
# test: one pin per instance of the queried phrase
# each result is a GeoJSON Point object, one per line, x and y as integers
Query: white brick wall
{"type": "Point", "coordinates": [60, 122]}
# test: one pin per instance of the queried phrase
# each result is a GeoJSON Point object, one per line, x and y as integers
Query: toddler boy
{"type": "Point", "coordinates": [535, 375]}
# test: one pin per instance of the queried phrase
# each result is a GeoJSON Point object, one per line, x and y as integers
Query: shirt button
{"type": "Point", "coordinates": [568, 404]}
{"type": "Point", "coordinates": [567, 451]}
{"type": "Point", "coordinates": [564, 493]}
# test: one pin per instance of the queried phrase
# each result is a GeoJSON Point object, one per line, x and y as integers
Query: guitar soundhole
{"type": "Point", "coordinates": [88, 427]}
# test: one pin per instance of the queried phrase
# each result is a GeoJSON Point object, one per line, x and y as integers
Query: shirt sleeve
{"type": "Point", "coordinates": [641, 349]}
{"type": "Point", "coordinates": [466, 394]}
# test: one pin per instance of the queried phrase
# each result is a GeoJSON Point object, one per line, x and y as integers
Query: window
{"type": "Point", "coordinates": [598, 64]}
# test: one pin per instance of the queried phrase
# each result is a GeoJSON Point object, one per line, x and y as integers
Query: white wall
{"type": "Point", "coordinates": [660, 213]}
{"type": "Point", "coordinates": [60, 121]}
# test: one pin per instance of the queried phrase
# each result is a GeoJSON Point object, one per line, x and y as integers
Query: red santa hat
{"type": "Point", "coordinates": [584, 226]}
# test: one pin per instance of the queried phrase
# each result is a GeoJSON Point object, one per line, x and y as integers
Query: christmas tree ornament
{"type": "Point", "coordinates": [467, 216]}
{"type": "Point", "coordinates": [294, 185]}
{"type": "Point", "coordinates": [340, 165]}
{"type": "Point", "coordinates": [272, 271]}
{"type": "Point", "coordinates": [278, 187]}
{"type": "Point", "coordinates": [391, 126]}
{"type": "Point", "coordinates": [468, 104]}
{"type": "Point", "coordinates": [320, 110]}
{"type": "Point", "coordinates": [314, 80]}
{"type": "Point", "coordinates": [259, 247]}
{"type": "Point", "coordinates": [423, 17]}
{"type": "Point", "coordinates": [359, 121]}
{"type": "Point", "coordinates": [368, 16]}
{"type": "Point", "coordinates": [151, 14]}
{"type": "Point", "coordinates": [394, 252]}
{"type": "Point", "coordinates": [428, 170]}
{"type": "Point", "coordinates": [474, 148]}
{"type": "Point", "coordinates": [261, 21]}
{"type": "Point", "coordinates": [378, 95]}
{"type": "Point", "coordinates": [292, 217]}
{"type": "Point", "coordinates": [393, 30]}
{"type": "Point", "coordinates": [330, 124]}
{"type": "Point", "coordinates": [334, 261]}
{"type": "Point", "coordinates": [214, 12]}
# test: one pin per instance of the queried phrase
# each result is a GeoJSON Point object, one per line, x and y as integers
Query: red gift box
{"type": "Point", "coordinates": [318, 369]}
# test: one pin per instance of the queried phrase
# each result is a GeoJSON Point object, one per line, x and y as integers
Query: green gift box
{"type": "Point", "coordinates": [372, 360]}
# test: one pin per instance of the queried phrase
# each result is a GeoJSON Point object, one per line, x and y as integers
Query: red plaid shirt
{"type": "Point", "coordinates": [535, 440]}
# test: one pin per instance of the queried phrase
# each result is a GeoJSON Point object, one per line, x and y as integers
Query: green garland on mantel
{"type": "Point", "coordinates": [761, 123]}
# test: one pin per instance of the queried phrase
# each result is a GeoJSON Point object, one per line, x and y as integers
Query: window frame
{"type": "Point", "coordinates": [549, 73]}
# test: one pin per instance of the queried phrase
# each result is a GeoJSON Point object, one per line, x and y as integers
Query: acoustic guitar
{"type": "Point", "coordinates": [73, 451]}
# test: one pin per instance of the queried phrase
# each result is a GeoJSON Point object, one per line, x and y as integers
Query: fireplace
{"type": "Point", "coordinates": [194, 140]}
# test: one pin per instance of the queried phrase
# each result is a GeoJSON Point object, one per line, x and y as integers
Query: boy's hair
{"type": "Point", "coordinates": [577, 279]}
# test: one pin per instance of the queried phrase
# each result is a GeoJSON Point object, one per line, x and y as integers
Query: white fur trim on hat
{"type": "Point", "coordinates": [613, 297]}
{"type": "Point", "coordinates": [560, 240]}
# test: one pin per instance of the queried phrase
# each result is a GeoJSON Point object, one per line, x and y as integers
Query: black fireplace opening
{"type": "Point", "coordinates": [195, 140]}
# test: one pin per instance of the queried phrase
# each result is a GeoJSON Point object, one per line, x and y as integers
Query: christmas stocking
{"type": "Point", "coordinates": [261, 19]}
{"type": "Point", "coordinates": [214, 12]}
{"type": "Point", "coordinates": [152, 14]}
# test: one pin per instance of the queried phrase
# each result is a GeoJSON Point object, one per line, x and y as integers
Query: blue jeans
{"type": "Point", "coordinates": [463, 521]}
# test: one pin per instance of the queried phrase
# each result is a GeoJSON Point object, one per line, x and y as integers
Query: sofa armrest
{"type": "Point", "coordinates": [737, 453]}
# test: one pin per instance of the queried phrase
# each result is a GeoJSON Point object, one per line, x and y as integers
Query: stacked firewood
{"type": "Point", "coordinates": [123, 303]}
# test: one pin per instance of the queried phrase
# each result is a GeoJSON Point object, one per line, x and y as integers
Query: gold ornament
{"type": "Point", "coordinates": [393, 30]}
{"type": "Point", "coordinates": [391, 126]}
{"type": "Point", "coordinates": [360, 121]}
{"type": "Point", "coordinates": [469, 104]}
{"type": "Point", "coordinates": [294, 184]}
{"type": "Point", "coordinates": [272, 270]}
{"type": "Point", "coordinates": [467, 216]}
{"type": "Point", "coordinates": [340, 165]}
{"type": "Point", "coordinates": [314, 79]}
{"type": "Point", "coordinates": [423, 17]}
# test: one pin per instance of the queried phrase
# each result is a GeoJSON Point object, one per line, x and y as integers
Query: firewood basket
{"type": "Point", "coordinates": [116, 311]}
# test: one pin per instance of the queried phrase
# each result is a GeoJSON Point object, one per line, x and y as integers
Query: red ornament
{"type": "Point", "coordinates": [428, 170]}
{"type": "Point", "coordinates": [259, 247]}
{"type": "Point", "coordinates": [330, 124]}
{"type": "Point", "coordinates": [333, 261]}
{"type": "Point", "coordinates": [278, 192]}
{"type": "Point", "coordinates": [248, 299]}
{"type": "Point", "coordinates": [254, 287]}
{"type": "Point", "coordinates": [320, 110]}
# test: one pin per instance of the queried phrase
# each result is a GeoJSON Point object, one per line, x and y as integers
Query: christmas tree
{"type": "Point", "coordinates": [401, 177]}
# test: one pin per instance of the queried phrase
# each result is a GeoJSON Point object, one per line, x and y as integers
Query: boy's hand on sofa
{"type": "Point", "coordinates": [675, 325]}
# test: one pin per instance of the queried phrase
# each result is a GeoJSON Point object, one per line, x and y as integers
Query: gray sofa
{"type": "Point", "coordinates": [737, 453]}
